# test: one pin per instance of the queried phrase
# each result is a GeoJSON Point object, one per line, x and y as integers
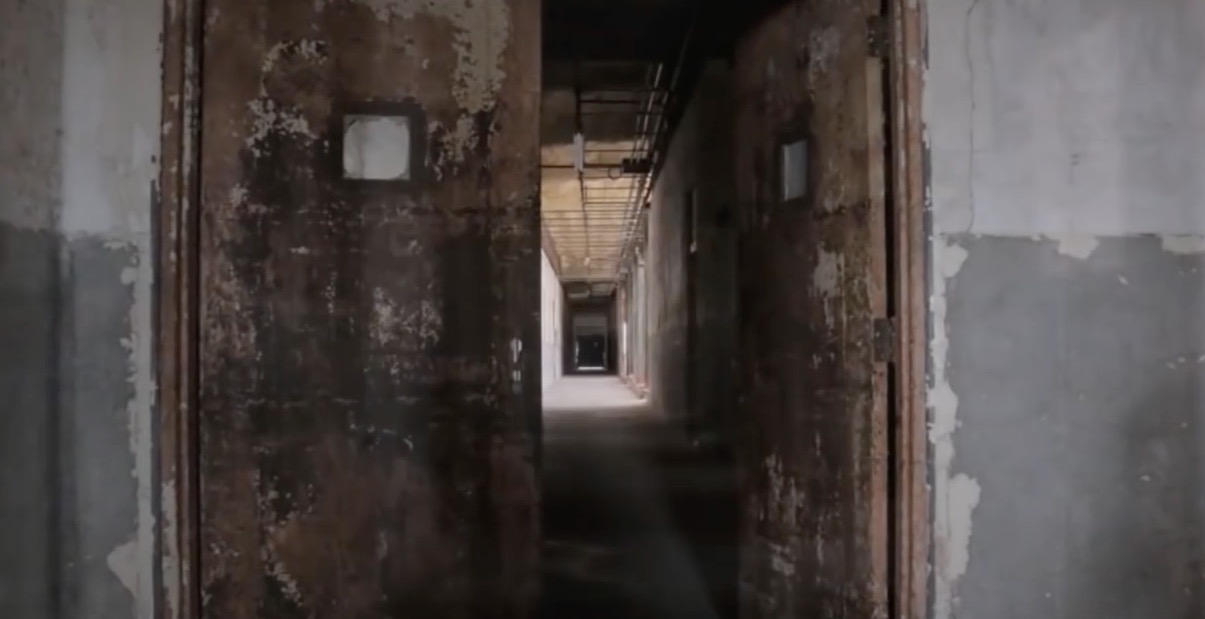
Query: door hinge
{"type": "Point", "coordinates": [884, 340]}
{"type": "Point", "coordinates": [878, 36]}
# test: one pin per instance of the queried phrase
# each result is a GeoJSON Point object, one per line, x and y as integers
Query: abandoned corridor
{"type": "Point", "coordinates": [638, 524]}
{"type": "Point", "coordinates": [933, 271]}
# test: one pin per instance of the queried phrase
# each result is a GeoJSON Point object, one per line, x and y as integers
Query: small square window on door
{"type": "Point", "coordinates": [381, 143]}
{"type": "Point", "coordinates": [793, 169]}
{"type": "Point", "coordinates": [376, 148]}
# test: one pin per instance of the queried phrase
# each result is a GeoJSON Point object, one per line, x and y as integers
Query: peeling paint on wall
{"type": "Point", "coordinates": [140, 342]}
{"type": "Point", "coordinates": [123, 561]}
{"type": "Point", "coordinates": [1069, 179]}
{"type": "Point", "coordinates": [79, 84]}
{"type": "Point", "coordinates": [826, 283]}
{"type": "Point", "coordinates": [309, 50]}
{"type": "Point", "coordinates": [482, 30]}
{"type": "Point", "coordinates": [1077, 246]}
{"type": "Point", "coordinates": [169, 561]}
{"type": "Point", "coordinates": [1183, 243]}
{"type": "Point", "coordinates": [420, 327]}
{"type": "Point", "coordinates": [481, 34]}
{"type": "Point", "coordinates": [269, 118]}
{"type": "Point", "coordinates": [955, 496]}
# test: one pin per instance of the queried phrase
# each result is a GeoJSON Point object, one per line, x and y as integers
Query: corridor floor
{"type": "Point", "coordinates": [637, 524]}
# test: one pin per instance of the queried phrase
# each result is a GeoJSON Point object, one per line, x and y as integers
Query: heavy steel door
{"type": "Point", "coordinates": [814, 484]}
{"type": "Point", "coordinates": [369, 336]}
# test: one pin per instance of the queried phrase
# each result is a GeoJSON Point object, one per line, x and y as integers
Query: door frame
{"type": "Point", "coordinates": [177, 286]}
{"type": "Point", "coordinates": [911, 539]}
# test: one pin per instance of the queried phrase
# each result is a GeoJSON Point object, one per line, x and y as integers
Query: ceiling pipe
{"type": "Point", "coordinates": [579, 143]}
{"type": "Point", "coordinates": [662, 128]}
{"type": "Point", "coordinates": [644, 144]}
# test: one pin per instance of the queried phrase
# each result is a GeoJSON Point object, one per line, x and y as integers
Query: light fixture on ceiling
{"type": "Point", "coordinates": [579, 152]}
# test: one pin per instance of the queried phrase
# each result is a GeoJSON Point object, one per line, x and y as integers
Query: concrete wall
{"type": "Point", "coordinates": [639, 311]}
{"type": "Point", "coordinates": [552, 300]}
{"type": "Point", "coordinates": [1068, 276]}
{"type": "Point", "coordinates": [79, 111]}
{"type": "Point", "coordinates": [634, 310]}
{"type": "Point", "coordinates": [699, 159]}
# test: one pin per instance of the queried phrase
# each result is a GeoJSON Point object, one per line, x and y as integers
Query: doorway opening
{"type": "Point", "coordinates": [719, 413]}
{"type": "Point", "coordinates": [746, 207]}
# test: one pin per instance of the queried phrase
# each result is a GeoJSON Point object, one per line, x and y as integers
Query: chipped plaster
{"type": "Point", "coordinates": [482, 30]}
{"type": "Point", "coordinates": [123, 561]}
{"type": "Point", "coordinates": [1183, 243]}
{"type": "Point", "coordinates": [139, 276]}
{"type": "Point", "coordinates": [268, 118]}
{"type": "Point", "coordinates": [311, 50]}
{"type": "Point", "coordinates": [419, 327]}
{"type": "Point", "coordinates": [82, 79]}
{"type": "Point", "coordinates": [170, 530]}
{"type": "Point", "coordinates": [1033, 137]}
{"type": "Point", "coordinates": [955, 496]}
{"type": "Point", "coordinates": [1077, 246]}
{"type": "Point", "coordinates": [826, 283]}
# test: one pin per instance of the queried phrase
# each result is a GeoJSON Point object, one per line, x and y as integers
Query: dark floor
{"type": "Point", "coordinates": [637, 524]}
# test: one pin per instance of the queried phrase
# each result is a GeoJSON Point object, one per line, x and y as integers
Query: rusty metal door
{"type": "Point", "coordinates": [814, 486]}
{"type": "Point", "coordinates": [369, 334]}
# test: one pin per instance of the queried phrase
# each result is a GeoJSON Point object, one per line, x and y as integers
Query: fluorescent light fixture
{"type": "Point", "coordinates": [579, 152]}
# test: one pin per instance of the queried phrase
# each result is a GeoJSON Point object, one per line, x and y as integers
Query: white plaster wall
{"type": "Point", "coordinates": [1076, 117]}
{"type": "Point", "coordinates": [80, 90]}
{"type": "Point", "coordinates": [1069, 121]}
{"type": "Point", "coordinates": [112, 91]}
{"type": "Point", "coordinates": [551, 322]}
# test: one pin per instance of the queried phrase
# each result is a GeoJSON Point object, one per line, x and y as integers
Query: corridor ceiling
{"type": "Point", "coordinates": [591, 216]}
{"type": "Point", "coordinates": [618, 72]}
{"type": "Point", "coordinates": [610, 69]}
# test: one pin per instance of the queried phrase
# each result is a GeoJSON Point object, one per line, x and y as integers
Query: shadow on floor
{"type": "Point", "coordinates": [637, 524]}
